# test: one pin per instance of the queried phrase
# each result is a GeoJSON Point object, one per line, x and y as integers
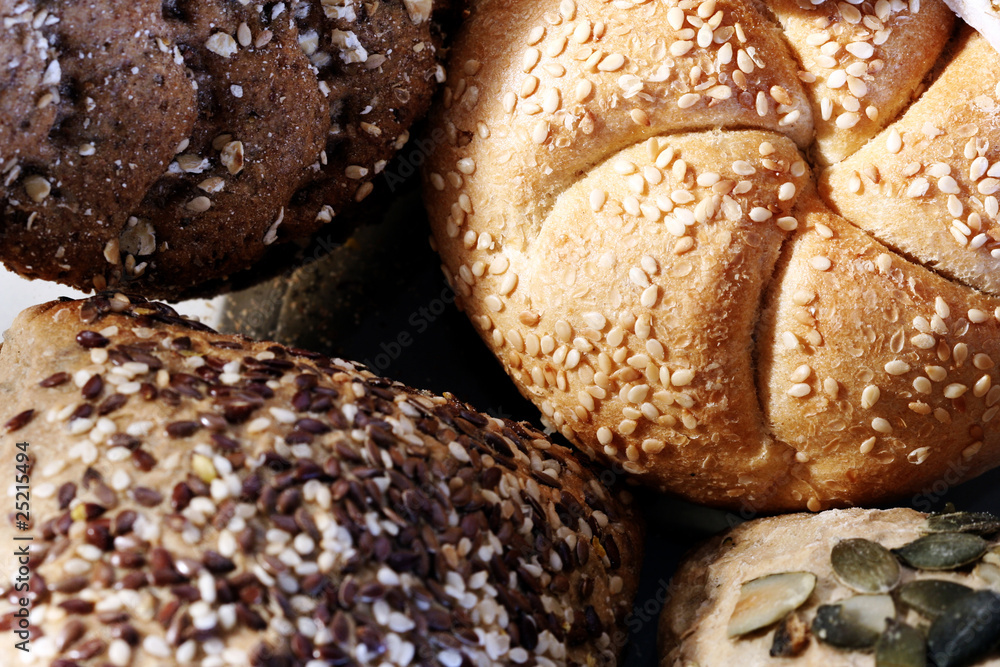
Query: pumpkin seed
{"type": "Point", "coordinates": [966, 631]}
{"type": "Point", "coordinates": [768, 599]}
{"type": "Point", "coordinates": [982, 523]}
{"type": "Point", "coordinates": [931, 597]}
{"type": "Point", "coordinates": [942, 551]}
{"type": "Point", "coordinates": [790, 638]}
{"type": "Point", "coordinates": [865, 566]}
{"type": "Point", "coordinates": [854, 623]}
{"type": "Point", "coordinates": [901, 645]}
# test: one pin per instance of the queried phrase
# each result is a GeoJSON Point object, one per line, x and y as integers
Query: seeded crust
{"type": "Point", "coordinates": [705, 589]}
{"type": "Point", "coordinates": [173, 147]}
{"type": "Point", "coordinates": [638, 254]}
{"type": "Point", "coordinates": [201, 498]}
{"type": "Point", "coordinates": [929, 184]}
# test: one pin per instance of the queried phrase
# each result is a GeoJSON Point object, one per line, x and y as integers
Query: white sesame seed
{"type": "Point", "coordinates": [954, 390]}
{"type": "Point", "coordinates": [897, 367]}
{"type": "Point", "coordinates": [682, 377]}
{"type": "Point", "coordinates": [688, 100]}
{"type": "Point", "coordinates": [881, 425]}
{"type": "Point", "coordinates": [870, 396]}
{"type": "Point", "coordinates": [941, 308]}
{"type": "Point", "coordinates": [862, 50]}
{"type": "Point", "coordinates": [820, 263]}
{"type": "Point", "coordinates": [611, 63]}
{"type": "Point", "coordinates": [799, 390]}
{"type": "Point", "coordinates": [893, 142]}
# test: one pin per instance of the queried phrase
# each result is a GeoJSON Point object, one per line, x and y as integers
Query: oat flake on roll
{"type": "Point", "coordinates": [623, 198]}
{"type": "Point", "coordinates": [206, 499]}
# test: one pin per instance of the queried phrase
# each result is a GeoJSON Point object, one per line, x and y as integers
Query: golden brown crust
{"type": "Point", "coordinates": [860, 65]}
{"type": "Point", "coordinates": [620, 276]}
{"type": "Point", "coordinates": [878, 372]}
{"type": "Point", "coordinates": [929, 184]}
{"type": "Point", "coordinates": [179, 144]}
{"type": "Point", "coordinates": [194, 493]}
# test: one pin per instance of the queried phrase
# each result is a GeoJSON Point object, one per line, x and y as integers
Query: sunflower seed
{"type": "Point", "coordinates": [768, 599]}
{"type": "Point", "coordinates": [982, 523]}
{"type": "Point", "coordinates": [901, 646]}
{"type": "Point", "coordinates": [931, 597]}
{"type": "Point", "coordinates": [966, 631]}
{"type": "Point", "coordinates": [865, 566]}
{"type": "Point", "coordinates": [790, 638]}
{"type": "Point", "coordinates": [855, 623]}
{"type": "Point", "coordinates": [942, 551]}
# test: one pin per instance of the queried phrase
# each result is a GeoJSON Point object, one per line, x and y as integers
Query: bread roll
{"type": "Point", "coordinates": [174, 146]}
{"type": "Point", "coordinates": [929, 184]}
{"type": "Point", "coordinates": [695, 625]}
{"type": "Point", "coordinates": [206, 499]}
{"type": "Point", "coordinates": [624, 203]}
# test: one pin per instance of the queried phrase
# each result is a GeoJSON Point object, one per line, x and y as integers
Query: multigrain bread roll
{"type": "Point", "coordinates": [205, 499]}
{"type": "Point", "coordinates": [174, 146]}
{"type": "Point", "coordinates": [829, 581]}
{"type": "Point", "coordinates": [623, 200]}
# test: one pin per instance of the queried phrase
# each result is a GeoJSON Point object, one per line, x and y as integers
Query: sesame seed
{"type": "Point", "coordinates": [881, 425]}
{"type": "Point", "coordinates": [688, 100]}
{"type": "Point", "coordinates": [355, 172]}
{"type": "Point", "coordinates": [682, 378]}
{"type": "Point", "coordinates": [919, 455]}
{"type": "Point", "coordinates": [870, 396]}
{"type": "Point", "coordinates": [897, 367]}
{"type": "Point", "coordinates": [799, 390]}
{"type": "Point", "coordinates": [820, 263]}
{"type": "Point", "coordinates": [861, 50]}
{"type": "Point", "coordinates": [954, 390]}
{"type": "Point", "coordinates": [612, 63]}
{"type": "Point", "coordinates": [597, 199]}
{"type": "Point", "coordinates": [199, 204]}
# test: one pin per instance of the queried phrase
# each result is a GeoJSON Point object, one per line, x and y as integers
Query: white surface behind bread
{"type": "Point", "coordinates": [624, 205]}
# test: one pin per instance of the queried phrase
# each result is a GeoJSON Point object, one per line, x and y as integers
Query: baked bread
{"type": "Point", "coordinates": [623, 201]}
{"type": "Point", "coordinates": [174, 147]}
{"type": "Point", "coordinates": [206, 499]}
{"type": "Point", "coordinates": [823, 559]}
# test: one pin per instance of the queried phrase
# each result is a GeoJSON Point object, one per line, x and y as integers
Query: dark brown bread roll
{"type": "Point", "coordinates": [205, 499]}
{"type": "Point", "coordinates": [173, 146]}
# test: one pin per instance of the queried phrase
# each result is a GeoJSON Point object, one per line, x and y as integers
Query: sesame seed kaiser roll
{"type": "Point", "coordinates": [205, 499]}
{"type": "Point", "coordinates": [623, 201]}
{"type": "Point", "coordinates": [173, 146]}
